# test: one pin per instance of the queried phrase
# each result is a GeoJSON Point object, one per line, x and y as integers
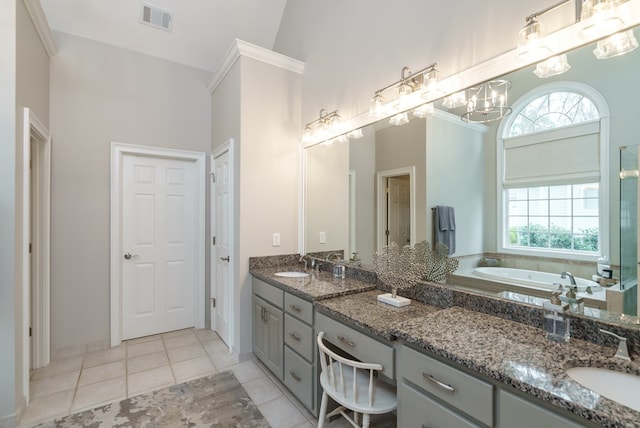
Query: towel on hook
{"type": "Point", "coordinates": [445, 227]}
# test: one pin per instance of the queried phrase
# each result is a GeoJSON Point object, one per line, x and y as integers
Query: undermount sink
{"type": "Point", "coordinates": [620, 387]}
{"type": "Point", "coordinates": [292, 274]}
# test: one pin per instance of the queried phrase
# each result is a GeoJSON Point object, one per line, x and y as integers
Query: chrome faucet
{"type": "Point", "coordinates": [623, 351]}
{"type": "Point", "coordinates": [310, 262]}
{"type": "Point", "coordinates": [569, 275]}
{"type": "Point", "coordinates": [335, 255]}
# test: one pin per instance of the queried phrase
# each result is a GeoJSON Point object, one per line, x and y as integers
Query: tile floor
{"type": "Point", "coordinates": [138, 366]}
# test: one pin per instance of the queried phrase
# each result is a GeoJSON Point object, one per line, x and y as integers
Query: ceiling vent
{"type": "Point", "coordinates": [156, 17]}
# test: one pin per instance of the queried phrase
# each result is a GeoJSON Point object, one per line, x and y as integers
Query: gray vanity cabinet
{"type": "Point", "coordinates": [268, 323]}
{"type": "Point", "coordinates": [283, 339]}
{"type": "Point", "coordinates": [434, 394]}
{"type": "Point", "coordinates": [299, 349]}
{"type": "Point", "coordinates": [516, 411]}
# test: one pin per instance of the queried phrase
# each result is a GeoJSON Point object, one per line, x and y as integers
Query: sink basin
{"type": "Point", "coordinates": [620, 387]}
{"type": "Point", "coordinates": [292, 274]}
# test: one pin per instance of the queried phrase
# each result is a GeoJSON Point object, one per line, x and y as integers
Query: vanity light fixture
{"type": "Point", "coordinates": [398, 95]}
{"type": "Point", "coordinates": [355, 134]}
{"type": "Point", "coordinates": [454, 100]}
{"type": "Point", "coordinates": [487, 102]}
{"type": "Point", "coordinates": [552, 66]}
{"type": "Point", "coordinates": [399, 119]}
{"type": "Point", "coordinates": [599, 18]}
{"type": "Point", "coordinates": [326, 123]}
{"type": "Point", "coordinates": [531, 45]}
{"type": "Point", "coordinates": [424, 110]}
{"type": "Point", "coordinates": [615, 45]}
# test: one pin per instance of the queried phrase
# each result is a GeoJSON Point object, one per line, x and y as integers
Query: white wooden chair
{"type": "Point", "coordinates": [354, 386]}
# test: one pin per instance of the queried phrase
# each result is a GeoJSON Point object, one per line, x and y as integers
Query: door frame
{"type": "Point", "coordinates": [41, 240]}
{"type": "Point", "coordinates": [381, 177]}
{"type": "Point", "coordinates": [230, 147]}
{"type": "Point", "coordinates": [118, 151]}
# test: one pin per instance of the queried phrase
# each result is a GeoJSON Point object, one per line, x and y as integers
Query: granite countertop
{"type": "Point", "coordinates": [317, 286]}
{"type": "Point", "coordinates": [520, 356]}
{"type": "Point", "coordinates": [363, 310]}
{"type": "Point", "coordinates": [511, 353]}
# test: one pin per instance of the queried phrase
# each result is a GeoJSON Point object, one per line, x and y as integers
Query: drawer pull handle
{"type": "Point", "coordinates": [346, 342]}
{"type": "Point", "coordinates": [295, 376]}
{"type": "Point", "coordinates": [442, 385]}
{"type": "Point", "coordinates": [295, 337]}
{"type": "Point", "coordinates": [295, 308]}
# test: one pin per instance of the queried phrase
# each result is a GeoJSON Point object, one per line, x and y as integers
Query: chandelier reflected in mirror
{"type": "Point", "coordinates": [487, 102]}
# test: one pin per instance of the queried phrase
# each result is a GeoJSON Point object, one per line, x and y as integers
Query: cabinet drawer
{"type": "Point", "coordinates": [471, 395]}
{"type": "Point", "coordinates": [268, 292]}
{"type": "Point", "coordinates": [299, 337]}
{"type": "Point", "coordinates": [299, 308]}
{"type": "Point", "coordinates": [417, 410]}
{"type": "Point", "coordinates": [516, 411]}
{"type": "Point", "coordinates": [361, 346]}
{"type": "Point", "coordinates": [298, 377]}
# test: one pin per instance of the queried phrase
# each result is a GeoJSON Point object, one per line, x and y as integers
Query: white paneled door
{"type": "Point", "coordinates": [222, 231]}
{"type": "Point", "coordinates": [158, 245]}
{"type": "Point", "coordinates": [398, 209]}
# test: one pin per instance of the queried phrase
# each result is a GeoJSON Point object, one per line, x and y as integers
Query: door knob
{"type": "Point", "coordinates": [128, 256]}
{"type": "Point", "coordinates": [224, 259]}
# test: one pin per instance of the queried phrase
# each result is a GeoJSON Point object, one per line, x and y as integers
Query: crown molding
{"type": "Point", "coordinates": [241, 48]}
{"type": "Point", "coordinates": [456, 120]}
{"type": "Point", "coordinates": [42, 26]}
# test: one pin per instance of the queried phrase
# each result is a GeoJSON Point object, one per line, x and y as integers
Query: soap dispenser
{"type": "Point", "coordinates": [556, 321]}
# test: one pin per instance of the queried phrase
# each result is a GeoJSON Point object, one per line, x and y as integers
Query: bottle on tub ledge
{"type": "Point", "coordinates": [556, 321]}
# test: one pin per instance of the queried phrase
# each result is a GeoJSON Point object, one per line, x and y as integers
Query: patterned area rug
{"type": "Point", "coordinates": [213, 401]}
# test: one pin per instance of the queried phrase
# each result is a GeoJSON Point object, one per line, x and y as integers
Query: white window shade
{"type": "Point", "coordinates": [567, 155]}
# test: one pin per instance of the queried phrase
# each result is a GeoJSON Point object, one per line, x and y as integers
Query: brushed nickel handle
{"type": "Point", "coordinates": [129, 256]}
{"type": "Point", "coordinates": [295, 337]}
{"type": "Point", "coordinates": [295, 308]}
{"type": "Point", "coordinates": [435, 381]}
{"type": "Point", "coordinates": [295, 376]}
{"type": "Point", "coordinates": [346, 342]}
{"type": "Point", "coordinates": [224, 259]}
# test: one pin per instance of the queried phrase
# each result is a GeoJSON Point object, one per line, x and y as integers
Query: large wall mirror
{"type": "Point", "coordinates": [392, 177]}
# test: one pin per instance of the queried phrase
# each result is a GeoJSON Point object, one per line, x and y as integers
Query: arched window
{"type": "Point", "coordinates": [552, 162]}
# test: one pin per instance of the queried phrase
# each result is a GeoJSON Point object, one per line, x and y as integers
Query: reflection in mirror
{"type": "Point", "coordinates": [455, 164]}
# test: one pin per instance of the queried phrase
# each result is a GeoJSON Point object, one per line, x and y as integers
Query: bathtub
{"type": "Point", "coordinates": [526, 282]}
{"type": "Point", "coordinates": [532, 278]}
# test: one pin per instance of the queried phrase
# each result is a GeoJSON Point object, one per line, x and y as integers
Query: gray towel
{"type": "Point", "coordinates": [445, 227]}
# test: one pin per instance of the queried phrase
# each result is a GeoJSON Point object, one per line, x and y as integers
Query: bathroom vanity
{"type": "Point", "coordinates": [453, 366]}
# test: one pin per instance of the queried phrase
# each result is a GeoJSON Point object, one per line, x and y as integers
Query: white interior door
{"type": "Point", "coordinates": [399, 213]}
{"type": "Point", "coordinates": [223, 279]}
{"type": "Point", "coordinates": [158, 245]}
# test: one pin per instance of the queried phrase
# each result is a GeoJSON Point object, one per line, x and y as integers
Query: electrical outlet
{"type": "Point", "coordinates": [323, 237]}
{"type": "Point", "coordinates": [276, 240]}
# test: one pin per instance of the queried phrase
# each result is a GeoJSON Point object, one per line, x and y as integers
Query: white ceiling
{"type": "Point", "coordinates": [203, 30]}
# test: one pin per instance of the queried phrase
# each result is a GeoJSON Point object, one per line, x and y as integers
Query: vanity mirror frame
{"type": "Point", "coordinates": [564, 40]}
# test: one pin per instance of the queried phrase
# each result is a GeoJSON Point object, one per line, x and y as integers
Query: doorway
{"type": "Point", "coordinates": [157, 240]}
{"type": "Point", "coordinates": [222, 239]}
{"type": "Point", "coordinates": [36, 214]}
{"type": "Point", "coordinates": [395, 207]}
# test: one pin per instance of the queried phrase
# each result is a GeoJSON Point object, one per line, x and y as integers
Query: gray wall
{"type": "Point", "coordinates": [101, 94]}
{"type": "Point", "coordinates": [8, 289]}
{"type": "Point", "coordinates": [24, 82]}
{"type": "Point", "coordinates": [352, 48]}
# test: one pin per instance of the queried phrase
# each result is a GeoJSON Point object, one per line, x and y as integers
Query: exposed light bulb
{"type": "Point", "coordinates": [531, 45]}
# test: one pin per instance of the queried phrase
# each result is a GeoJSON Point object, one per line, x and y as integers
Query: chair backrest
{"type": "Point", "coordinates": [334, 367]}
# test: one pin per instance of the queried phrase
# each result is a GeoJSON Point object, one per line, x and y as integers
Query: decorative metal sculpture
{"type": "Point", "coordinates": [418, 263]}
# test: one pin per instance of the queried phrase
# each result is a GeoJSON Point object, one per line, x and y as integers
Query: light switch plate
{"type": "Point", "coordinates": [276, 240]}
{"type": "Point", "coordinates": [323, 237]}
